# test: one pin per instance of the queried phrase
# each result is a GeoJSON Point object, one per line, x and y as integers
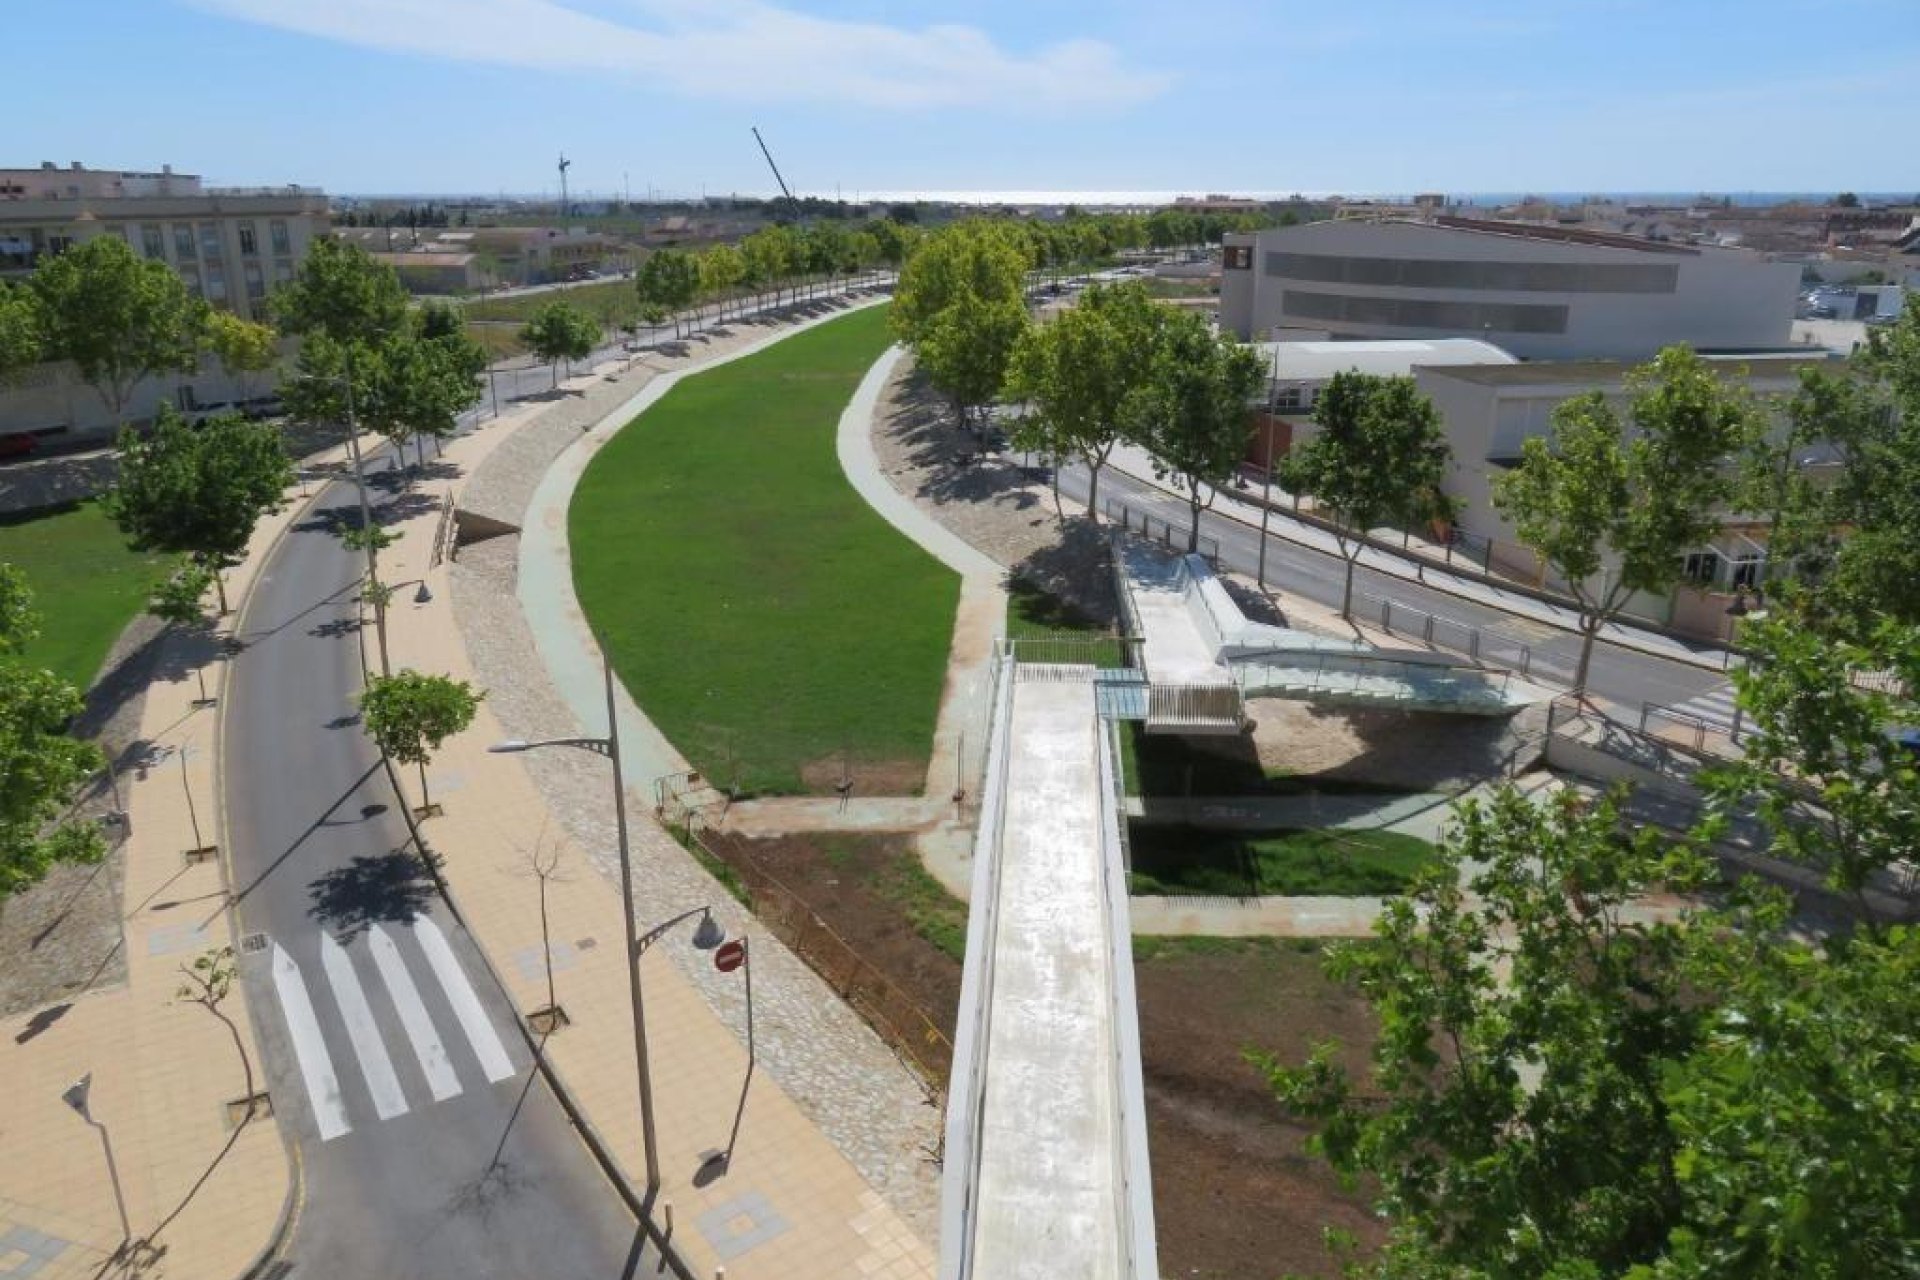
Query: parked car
{"type": "Point", "coordinates": [18, 444]}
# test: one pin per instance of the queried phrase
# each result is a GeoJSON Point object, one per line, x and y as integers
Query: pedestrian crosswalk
{"type": "Point", "coordinates": [352, 1011]}
{"type": "Point", "coordinates": [1715, 706]}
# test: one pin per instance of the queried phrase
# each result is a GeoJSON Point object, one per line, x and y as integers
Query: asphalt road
{"type": "Point", "coordinates": [1618, 674]}
{"type": "Point", "coordinates": [394, 1063]}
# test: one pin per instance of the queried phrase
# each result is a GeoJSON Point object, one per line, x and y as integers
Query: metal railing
{"type": "Point", "coordinates": [1670, 724]}
{"type": "Point", "coordinates": [1478, 644]}
{"type": "Point", "coordinates": [1195, 705]}
{"type": "Point", "coordinates": [1343, 673]}
{"type": "Point", "coordinates": [1144, 523]}
{"type": "Point", "coordinates": [1075, 649]}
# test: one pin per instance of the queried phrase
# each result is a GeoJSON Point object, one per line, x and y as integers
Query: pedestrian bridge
{"type": "Point", "coordinates": [1046, 1174]}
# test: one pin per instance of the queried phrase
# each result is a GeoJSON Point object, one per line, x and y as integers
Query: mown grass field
{"type": "Point", "coordinates": [1337, 862]}
{"type": "Point", "coordinates": [86, 585]}
{"type": "Point", "coordinates": [771, 623]}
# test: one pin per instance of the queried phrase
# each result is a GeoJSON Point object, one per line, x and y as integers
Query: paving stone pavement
{"type": "Point", "coordinates": [872, 1108]}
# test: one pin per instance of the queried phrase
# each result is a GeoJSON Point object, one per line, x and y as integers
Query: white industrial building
{"type": "Point", "coordinates": [1540, 292]}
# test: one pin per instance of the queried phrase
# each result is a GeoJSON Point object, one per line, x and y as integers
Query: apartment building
{"type": "Point", "coordinates": [231, 247]}
{"type": "Point", "coordinates": [1540, 292]}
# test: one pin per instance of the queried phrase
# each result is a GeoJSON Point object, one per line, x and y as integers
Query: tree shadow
{"type": "Point", "coordinates": [373, 889]}
{"type": "Point", "coordinates": [1077, 570]}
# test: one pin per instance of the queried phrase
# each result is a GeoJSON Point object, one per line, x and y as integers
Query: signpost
{"type": "Point", "coordinates": [726, 958]}
{"type": "Point", "coordinates": [730, 956]}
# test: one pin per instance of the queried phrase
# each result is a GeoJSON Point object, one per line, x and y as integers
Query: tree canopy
{"type": "Point", "coordinates": [1612, 506]}
{"type": "Point", "coordinates": [21, 341]}
{"type": "Point", "coordinates": [343, 293]}
{"type": "Point", "coordinates": [119, 317]}
{"type": "Point", "coordinates": [1379, 458]}
{"type": "Point", "coordinates": [242, 347]}
{"type": "Point", "coordinates": [409, 714]}
{"type": "Point", "coordinates": [560, 331]}
{"type": "Point", "coordinates": [976, 259]}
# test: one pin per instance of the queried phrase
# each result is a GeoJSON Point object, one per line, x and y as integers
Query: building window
{"type": "Point", "coordinates": [58, 242]}
{"type": "Point", "coordinates": [190, 272]}
{"type": "Point", "coordinates": [256, 281]}
{"type": "Point", "coordinates": [216, 282]}
{"type": "Point", "coordinates": [183, 242]}
{"type": "Point", "coordinates": [249, 241]}
{"type": "Point", "coordinates": [1441, 273]}
{"type": "Point", "coordinates": [1424, 313]}
{"type": "Point", "coordinates": [1700, 567]}
{"type": "Point", "coordinates": [282, 244]}
{"type": "Point", "coordinates": [210, 240]}
{"type": "Point", "coordinates": [154, 240]}
{"type": "Point", "coordinates": [282, 271]}
{"type": "Point", "coordinates": [1238, 257]}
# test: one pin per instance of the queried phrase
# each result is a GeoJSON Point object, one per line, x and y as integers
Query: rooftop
{"type": "Point", "coordinates": [1319, 361]}
{"type": "Point", "coordinates": [1544, 373]}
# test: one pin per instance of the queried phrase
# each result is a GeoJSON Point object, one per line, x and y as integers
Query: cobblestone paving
{"type": "Point", "coordinates": [986, 499]}
{"type": "Point", "coordinates": [868, 1104]}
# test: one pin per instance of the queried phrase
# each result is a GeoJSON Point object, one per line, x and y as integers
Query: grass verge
{"type": "Point", "coordinates": [86, 585]}
{"type": "Point", "coordinates": [1059, 630]}
{"type": "Point", "coordinates": [1174, 860]}
{"type": "Point", "coordinates": [769, 620]}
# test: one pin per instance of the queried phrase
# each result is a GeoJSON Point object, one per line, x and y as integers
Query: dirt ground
{"type": "Point", "coordinates": [1412, 750]}
{"type": "Point", "coordinates": [1235, 1195]}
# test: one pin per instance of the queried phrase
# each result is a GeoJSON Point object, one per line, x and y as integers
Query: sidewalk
{"type": "Point", "coordinates": [164, 1071]}
{"type": "Point", "coordinates": [790, 1203]}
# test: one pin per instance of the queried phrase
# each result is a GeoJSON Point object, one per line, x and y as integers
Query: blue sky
{"type": "Point", "coordinates": [1220, 95]}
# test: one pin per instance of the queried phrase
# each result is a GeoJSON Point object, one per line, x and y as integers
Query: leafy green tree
{"type": "Point", "coordinates": [1379, 458]}
{"type": "Point", "coordinates": [670, 280]}
{"type": "Point", "coordinates": [20, 337]}
{"type": "Point", "coordinates": [409, 714]}
{"type": "Point", "coordinates": [242, 347]}
{"type": "Point", "coordinates": [721, 270]}
{"type": "Point", "coordinates": [1193, 411]}
{"type": "Point", "coordinates": [1612, 510]}
{"type": "Point", "coordinates": [1078, 371]}
{"type": "Point", "coordinates": [179, 601]}
{"type": "Point", "coordinates": [419, 387]}
{"type": "Point", "coordinates": [1565, 1087]}
{"type": "Point", "coordinates": [973, 259]}
{"type": "Point", "coordinates": [119, 317]}
{"type": "Point", "coordinates": [41, 767]}
{"type": "Point", "coordinates": [198, 490]}
{"type": "Point", "coordinates": [343, 293]}
{"type": "Point", "coordinates": [965, 352]}
{"type": "Point", "coordinates": [1819, 761]}
{"type": "Point", "coordinates": [560, 331]}
{"type": "Point", "coordinates": [770, 254]}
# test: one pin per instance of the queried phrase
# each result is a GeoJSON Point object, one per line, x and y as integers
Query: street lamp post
{"type": "Point", "coordinates": [77, 1097]}
{"type": "Point", "coordinates": [1735, 612]}
{"type": "Point", "coordinates": [366, 511]}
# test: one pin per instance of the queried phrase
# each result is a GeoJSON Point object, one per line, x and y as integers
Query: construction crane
{"type": "Point", "coordinates": [793, 205]}
{"type": "Point", "coordinates": [565, 207]}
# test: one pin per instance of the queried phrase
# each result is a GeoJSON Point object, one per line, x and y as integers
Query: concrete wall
{"type": "Point", "coordinates": [53, 402]}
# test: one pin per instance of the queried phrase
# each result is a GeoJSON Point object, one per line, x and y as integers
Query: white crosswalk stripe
{"type": "Point", "coordinates": [1716, 706]}
{"type": "Point", "coordinates": [466, 1004]}
{"type": "Point", "coordinates": [309, 1048]}
{"type": "Point", "coordinates": [425, 1038]}
{"type": "Point", "coordinates": [358, 1023]}
{"type": "Point", "coordinates": [375, 1066]}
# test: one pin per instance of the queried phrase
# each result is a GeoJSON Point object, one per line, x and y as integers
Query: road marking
{"type": "Point", "coordinates": [466, 1003]}
{"type": "Point", "coordinates": [425, 1038]}
{"type": "Point", "coordinates": [1716, 706]}
{"type": "Point", "coordinates": [375, 1065]}
{"type": "Point", "coordinates": [309, 1048]}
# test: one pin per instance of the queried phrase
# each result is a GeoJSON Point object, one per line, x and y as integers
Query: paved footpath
{"type": "Point", "coordinates": [789, 1204]}
{"type": "Point", "coordinates": [164, 1070]}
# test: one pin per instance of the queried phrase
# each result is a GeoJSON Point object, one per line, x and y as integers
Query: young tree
{"type": "Point", "coordinates": [1819, 762]}
{"type": "Point", "coordinates": [1560, 1089]}
{"type": "Point", "coordinates": [1193, 412]}
{"type": "Point", "coordinates": [1077, 373]}
{"type": "Point", "coordinates": [1379, 458]}
{"type": "Point", "coordinates": [20, 337]}
{"type": "Point", "coordinates": [966, 351]}
{"type": "Point", "coordinates": [343, 293]}
{"type": "Point", "coordinates": [973, 259]}
{"type": "Point", "coordinates": [560, 331]}
{"type": "Point", "coordinates": [242, 347]}
{"type": "Point", "coordinates": [408, 715]}
{"type": "Point", "coordinates": [1613, 512]}
{"type": "Point", "coordinates": [178, 600]}
{"type": "Point", "coordinates": [721, 270]}
{"type": "Point", "coordinates": [119, 317]}
{"type": "Point", "coordinates": [670, 280]}
{"type": "Point", "coordinates": [198, 491]}
{"type": "Point", "coordinates": [419, 386]}
{"type": "Point", "coordinates": [41, 767]}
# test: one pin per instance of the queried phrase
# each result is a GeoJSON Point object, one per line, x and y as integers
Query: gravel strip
{"type": "Point", "coordinates": [873, 1109]}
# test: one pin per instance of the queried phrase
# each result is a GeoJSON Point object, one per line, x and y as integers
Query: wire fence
{"type": "Point", "coordinates": [891, 1012]}
{"type": "Point", "coordinates": [1160, 529]}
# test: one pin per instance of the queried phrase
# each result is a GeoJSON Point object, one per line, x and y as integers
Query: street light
{"type": "Point", "coordinates": [345, 379]}
{"type": "Point", "coordinates": [609, 747]}
{"type": "Point", "coordinates": [77, 1096]}
{"type": "Point", "coordinates": [1737, 610]}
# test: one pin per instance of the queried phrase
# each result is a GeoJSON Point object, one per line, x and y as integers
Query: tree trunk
{"type": "Point", "coordinates": [220, 588]}
{"type": "Point", "coordinates": [1589, 629]}
{"type": "Point", "coordinates": [1346, 595]}
{"type": "Point", "coordinates": [425, 802]}
{"type": "Point", "coordinates": [1093, 491]}
{"type": "Point", "coordinates": [1193, 529]}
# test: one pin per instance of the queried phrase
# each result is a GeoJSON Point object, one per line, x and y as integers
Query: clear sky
{"type": "Point", "coordinates": [1217, 95]}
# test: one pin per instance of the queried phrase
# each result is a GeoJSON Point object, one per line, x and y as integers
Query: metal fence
{"type": "Point", "coordinates": [1075, 649]}
{"type": "Point", "coordinates": [1482, 645]}
{"type": "Point", "coordinates": [899, 1020]}
{"type": "Point", "coordinates": [1159, 529]}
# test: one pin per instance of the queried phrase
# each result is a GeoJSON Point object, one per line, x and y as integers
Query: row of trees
{"type": "Point", "coordinates": [1566, 1085]}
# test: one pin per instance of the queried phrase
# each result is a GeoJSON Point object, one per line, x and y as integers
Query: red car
{"type": "Point", "coordinates": [18, 444]}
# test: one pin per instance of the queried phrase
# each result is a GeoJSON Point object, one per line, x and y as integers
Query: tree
{"type": "Point", "coordinates": [1561, 1089]}
{"type": "Point", "coordinates": [343, 293]}
{"type": "Point", "coordinates": [560, 331]}
{"type": "Point", "coordinates": [119, 317]}
{"type": "Point", "coordinates": [242, 347]}
{"type": "Point", "coordinates": [20, 337]}
{"type": "Point", "coordinates": [1379, 458]}
{"type": "Point", "coordinates": [1819, 762]}
{"type": "Point", "coordinates": [1613, 514]}
{"type": "Point", "coordinates": [670, 280]}
{"type": "Point", "coordinates": [1193, 410]}
{"type": "Point", "coordinates": [721, 270]}
{"type": "Point", "coordinates": [976, 258]}
{"type": "Point", "coordinates": [41, 767]}
{"type": "Point", "coordinates": [177, 600]}
{"type": "Point", "coordinates": [1847, 200]}
{"type": "Point", "coordinates": [419, 386]}
{"type": "Point", "coordinates": [967, 350]}
{"type": "Point", "coordinates": [1078, 372]}
{"type": "Point", "coordinates": [198, 490]}
{"type": "Point", "coordinates": [408, 715]}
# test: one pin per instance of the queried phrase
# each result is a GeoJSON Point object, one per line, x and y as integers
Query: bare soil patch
{"type": "Point", "coordinates": [1410, 750]}
{"type": "Point", "coordinates": [826, 774]}
{"type": "Point", "coordinates": [1235, 1194]}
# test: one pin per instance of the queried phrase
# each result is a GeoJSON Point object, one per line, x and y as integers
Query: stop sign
{"type": "Point", "coordinates": [730, 956]}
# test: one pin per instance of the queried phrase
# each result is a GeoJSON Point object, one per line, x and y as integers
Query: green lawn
{"type": "Point", "coordinates": [86, 585]}
{"type": "Point", "coordinates": [1066, 633]}
{"type": "Point", "coordinates": [1244, 864]}
{"type": "Point", "coordinates": [618, 298]}
{"type": "Point", "coordinates": [762, 613]}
